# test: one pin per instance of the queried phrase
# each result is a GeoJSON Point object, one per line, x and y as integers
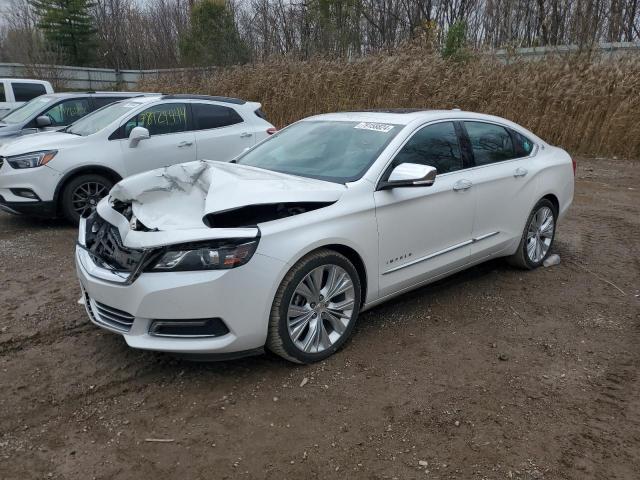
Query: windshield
{"type": "Point", "coordinates": [28, 110]}
{"type": "Point", "coordinates": [335, 151]}
{"type": "Point", "coordinates": [101, 118]}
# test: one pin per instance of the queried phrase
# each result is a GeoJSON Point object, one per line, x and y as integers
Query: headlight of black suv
{"type": "Point", "coordinates": [31, 160]}
{"type": "Point", "coordinates": [210, 255]}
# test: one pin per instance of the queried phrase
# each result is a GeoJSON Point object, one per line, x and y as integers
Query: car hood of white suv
{"type": "Point", "coordinates": [213, 194]}
{"type": "Point", "coordinates": [41, 141]}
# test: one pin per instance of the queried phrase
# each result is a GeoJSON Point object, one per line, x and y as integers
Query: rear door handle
{"type": "Point", "coordinates": [462, 185]}
{"type": "Point", "coordinates": [246, 135]}
{"type": "Point", "coordinates": [185, 144]}
{"type": "Point", "coordinates": [520, 172]}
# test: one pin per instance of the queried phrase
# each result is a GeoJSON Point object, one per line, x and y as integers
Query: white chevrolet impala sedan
{"type": "Point", "coordinates": [283, 247]}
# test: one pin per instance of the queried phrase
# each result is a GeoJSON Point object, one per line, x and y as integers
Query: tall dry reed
{"type": "Point", "coordinates": [585, 105]}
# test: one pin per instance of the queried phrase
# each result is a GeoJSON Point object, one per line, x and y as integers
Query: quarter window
{"type": "Point", "coordinates": [523, 145]}
{"type": "Point", "coordinates": [208, 116]}
{"type": "Point", "coordinates": [23, 92]}
{"type": "Point", "coordinates": [434, 145]}
{"type": "Point", "coordinates": [490, 143]}
{"type": "Point", "coordinates": [160, 119]}
{"type": "Point", "coordinates": [67, 112]}
{"type": "Point", "coordinates": [3, 98]}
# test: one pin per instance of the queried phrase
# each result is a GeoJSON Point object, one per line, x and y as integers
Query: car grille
{"type": "Point", "coordinates": [105, 244]}
{"type": "Point", "coordinates": [108, 316]}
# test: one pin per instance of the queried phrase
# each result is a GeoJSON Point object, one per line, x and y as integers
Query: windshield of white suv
{"type": "Point", "coordinates": [335, 151]}
{"type": "Point", "coordinates": [101, 118]}
{"type": "Point", "coordinates": [26, 111]}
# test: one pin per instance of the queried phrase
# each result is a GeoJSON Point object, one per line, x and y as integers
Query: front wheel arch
{"type": "Point", "coordinates": [86, 170]}
{"type": "Point", "coordinates": [278, 340]}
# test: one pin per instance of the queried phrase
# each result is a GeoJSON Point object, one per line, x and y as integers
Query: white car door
{"type": "Point", "coordinates": [220, 132]}
{"type": "Point", "coordinates": [170, 139]}
{"type": "Point", "coordinates": [424, 232]}
{"type": "Point", "coordinates": [504, 180]}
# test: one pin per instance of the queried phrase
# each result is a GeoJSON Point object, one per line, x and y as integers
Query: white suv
{"type": "Point", "coordinates": [68, 172]}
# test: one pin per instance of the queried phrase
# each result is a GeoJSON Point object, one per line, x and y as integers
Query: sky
{"type": "Point", "coordinates": [4, 4]}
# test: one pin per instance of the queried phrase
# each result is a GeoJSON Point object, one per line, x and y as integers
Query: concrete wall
{"type": "Point", "coordinates": [81, 78]}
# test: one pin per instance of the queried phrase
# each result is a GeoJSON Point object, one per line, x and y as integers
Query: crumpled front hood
{"type": "Point", "coordinates": [182, 196]}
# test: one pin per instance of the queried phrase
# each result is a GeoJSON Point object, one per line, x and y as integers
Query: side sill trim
{"type": "Point", "coordinates": [441, 252]}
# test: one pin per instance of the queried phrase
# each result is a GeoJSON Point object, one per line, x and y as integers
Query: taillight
{"type": "Point", "coordinates": [272, 130]}
{"type": "Point", "coordinates": [575, 166]}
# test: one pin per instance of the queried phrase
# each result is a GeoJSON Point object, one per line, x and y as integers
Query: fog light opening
{"type": "Point", "coordinates": [25, 193]}
{"type": "Point", "coordinates": [197, 328]}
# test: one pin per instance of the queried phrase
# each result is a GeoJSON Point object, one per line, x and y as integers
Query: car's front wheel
{"type": "Point", "coordinates": [537, 238]}
{"type": "Point", "coordinates": [81, 195]}
{"type": "Point", "coordinates": [315, 308]}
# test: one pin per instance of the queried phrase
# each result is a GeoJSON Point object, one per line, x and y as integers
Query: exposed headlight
{"type": "Point", "coordinates": [32, 160]}
{"type": "Point", "coordinates": [212, 255]}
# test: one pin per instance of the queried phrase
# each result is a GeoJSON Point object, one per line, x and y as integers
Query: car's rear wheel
{"type": "Point", "coordinates": [315, 308]}
{"type": "Point", "coordinates": [81, 195]}
{"type": "Point", "coordinates": [537, 238]}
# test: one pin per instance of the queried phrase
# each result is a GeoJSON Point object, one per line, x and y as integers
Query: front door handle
{"type": "Point", "coordinates": [185, 144]}
{"type": "Point", "coordinates": [520, 172]}
{"type": "Point", "coordinates": [462, 185]}
{"type": "Point", "coordinates": [246, 135]}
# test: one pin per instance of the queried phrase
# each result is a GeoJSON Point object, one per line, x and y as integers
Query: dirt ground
{"type": "Point", "coordinates": [493, 373]}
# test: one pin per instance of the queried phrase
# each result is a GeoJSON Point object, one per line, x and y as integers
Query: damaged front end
{"type": "Point", "coordinates": [216, 195]}
{"type": "Point", "coordinates": [101, 242]}
{"type": "Point", "coordinates": [192, 217]}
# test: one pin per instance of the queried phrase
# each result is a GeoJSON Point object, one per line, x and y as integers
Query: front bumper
{"type": "Point", "coordinates": [241, 297]}
{"type": "Point", "coordinates": [41, 180]}
{"type": "Point", "coordinates": [29, 207]}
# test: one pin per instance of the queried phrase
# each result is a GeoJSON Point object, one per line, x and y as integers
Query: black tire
{"type": "Point", "coordinates": [520, 258]}
{"type": "Point", "coordinates": [83, 183]}
{"type": "Point", "coordinates": [279, 340]}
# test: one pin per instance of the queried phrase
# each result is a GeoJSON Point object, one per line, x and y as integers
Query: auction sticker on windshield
{"type": "Point", "coordinates": [377, 127]}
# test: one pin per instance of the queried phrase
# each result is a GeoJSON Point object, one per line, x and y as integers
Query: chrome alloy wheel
{"type": "Point", "coordinates": [86, 196]}
{"type": "Point", "coordinates": [321, 308]}
{"type": "Point", "coordinates": [540, 234]}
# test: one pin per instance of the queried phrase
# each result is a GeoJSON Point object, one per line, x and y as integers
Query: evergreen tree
{"type": "Point", "coordinates": [455, 42]}
{"type": "Point", "coordinates": [68, 25]}
{"type": "Point", "coordinates": [213, 38]}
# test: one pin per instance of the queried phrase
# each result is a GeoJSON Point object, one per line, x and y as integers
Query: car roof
{"type": "Point", "coordinates": [416, 118]}
{"type": "Point", "coordinates": [405, 116]}
{"type": "Point", "coordinates": [213, 98]}
{"type": "Point", "coordinates": [23, 80]}
{"type": "Point", "coordinates": [100, 94]}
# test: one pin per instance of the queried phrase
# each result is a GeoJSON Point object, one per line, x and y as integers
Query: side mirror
{"type": "Point", "coordinates": [410, 175]}
{"type": "Point", "coordinates": [137, 134]}
{"type": "Point", "coordinates": [43, 121]}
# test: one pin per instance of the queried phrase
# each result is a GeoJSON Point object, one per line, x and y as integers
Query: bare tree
{"type": "Point", "coordinates": [134, 34]}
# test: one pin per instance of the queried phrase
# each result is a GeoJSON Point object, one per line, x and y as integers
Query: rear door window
{"type": "Point", "coordinates": [100, 102]}
{"type": "Point", "coordinates": [68, 111]}
{"type": "Point", "coordinates": [206, 116]}
{"type": "Point", "coordinates": [434, 145]}
{"type": "Point", "coordinates": [3, 97]}
{"type": "Point", "coordinates": [490, 143]}
{"type": "Point", "coordinates": [160, 119]}
{"type": "Point", "coordinates": [23, 92]}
